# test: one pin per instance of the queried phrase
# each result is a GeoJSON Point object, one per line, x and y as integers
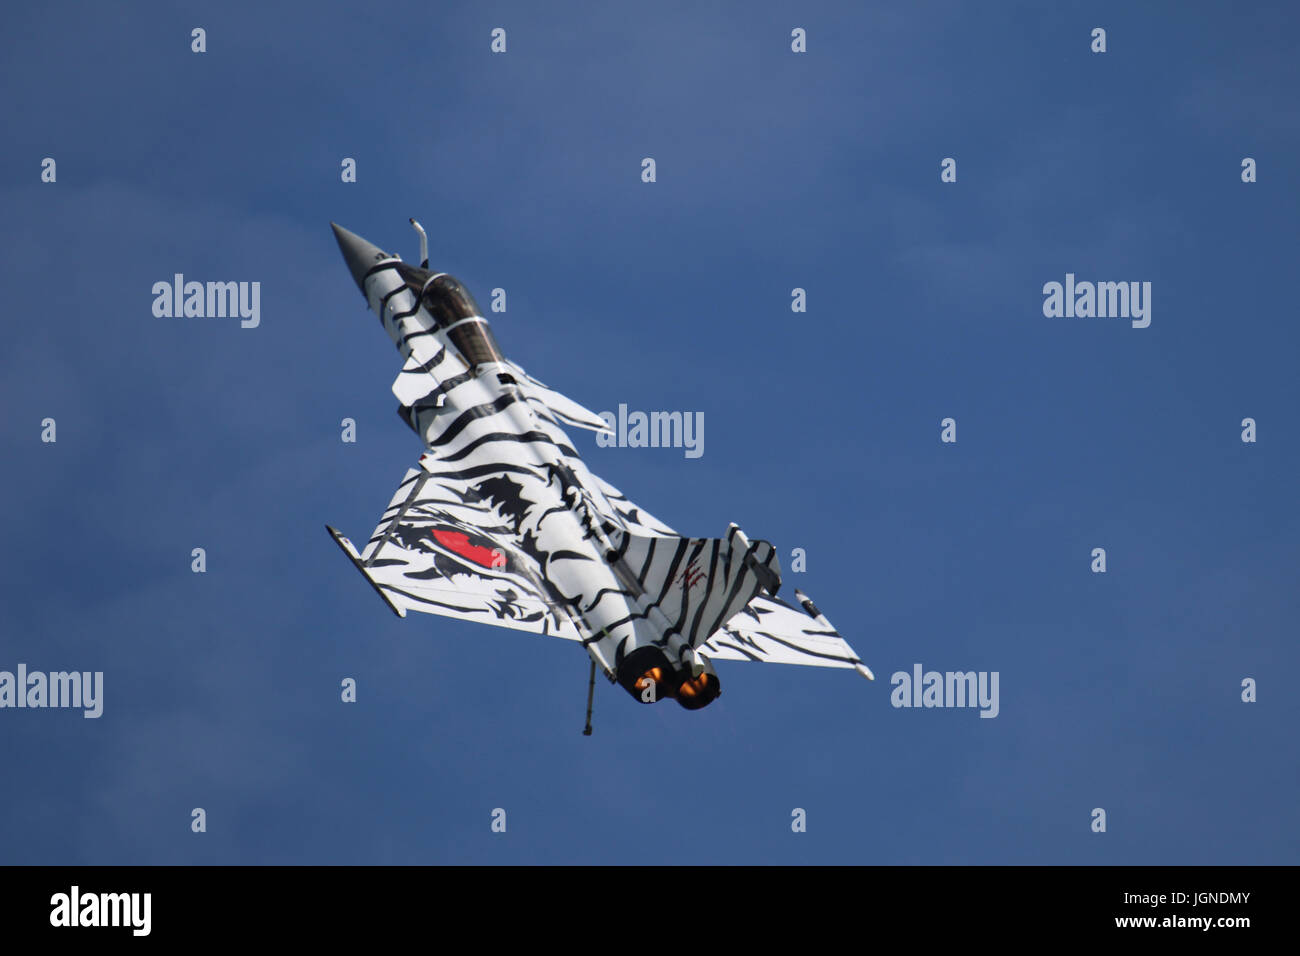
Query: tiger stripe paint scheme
{"type": "Point", "coordinates": [502, 523]}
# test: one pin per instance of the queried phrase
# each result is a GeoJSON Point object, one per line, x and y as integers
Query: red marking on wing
{"type": "Point", "coordinates": [458, 542]}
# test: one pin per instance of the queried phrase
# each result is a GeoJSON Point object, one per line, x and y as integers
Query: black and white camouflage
{"type": "Point", "coordinates": [502, 522]}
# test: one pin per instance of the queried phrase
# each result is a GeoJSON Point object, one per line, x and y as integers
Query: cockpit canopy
{"type": "Point", "coordinates": [450, 304]}
{"type": "Point", "coordinates": [448, 301]}
{"type": "Point", "coordinates": [445, 298]}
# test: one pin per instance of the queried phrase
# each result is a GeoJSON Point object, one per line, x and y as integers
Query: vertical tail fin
{"type": "Point", "coordinates": [700, 583]}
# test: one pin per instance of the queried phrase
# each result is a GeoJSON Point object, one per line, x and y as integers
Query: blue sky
{"type": "Point", "coordinates": [775, 170]}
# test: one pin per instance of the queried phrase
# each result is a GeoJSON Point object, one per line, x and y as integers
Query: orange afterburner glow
{"type": "Point", "coordinates": [695, 687]}
{"type": "Point", "coordinates": [654, 675]}
{"type": "Point", "coordinates": [696, 692]}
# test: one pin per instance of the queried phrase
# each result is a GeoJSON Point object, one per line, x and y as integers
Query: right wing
{"type": "Point", "coordinates": [450, 541]}
{"type": "Point", "coordinates": [458, 558]}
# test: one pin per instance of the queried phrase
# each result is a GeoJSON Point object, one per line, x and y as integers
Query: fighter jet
{"type": "Point", "coordinates": [503, 523]}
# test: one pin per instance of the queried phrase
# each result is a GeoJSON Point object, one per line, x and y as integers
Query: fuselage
{"type": "Point", "coordinates": [436, 324]}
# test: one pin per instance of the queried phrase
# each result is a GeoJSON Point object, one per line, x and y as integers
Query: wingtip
{"type": "Point", "coordinates": [864, 670]}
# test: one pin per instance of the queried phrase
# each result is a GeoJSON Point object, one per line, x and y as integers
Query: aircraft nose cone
{"type": "Point", "coordinates": [359, 254]}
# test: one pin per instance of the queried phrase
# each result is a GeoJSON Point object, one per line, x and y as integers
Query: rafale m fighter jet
{"type": "Point", "coordinates": [502, 522]}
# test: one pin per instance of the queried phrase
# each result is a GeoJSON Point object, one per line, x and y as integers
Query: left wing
{"type": "Point", "coordinates": [770, 630]}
